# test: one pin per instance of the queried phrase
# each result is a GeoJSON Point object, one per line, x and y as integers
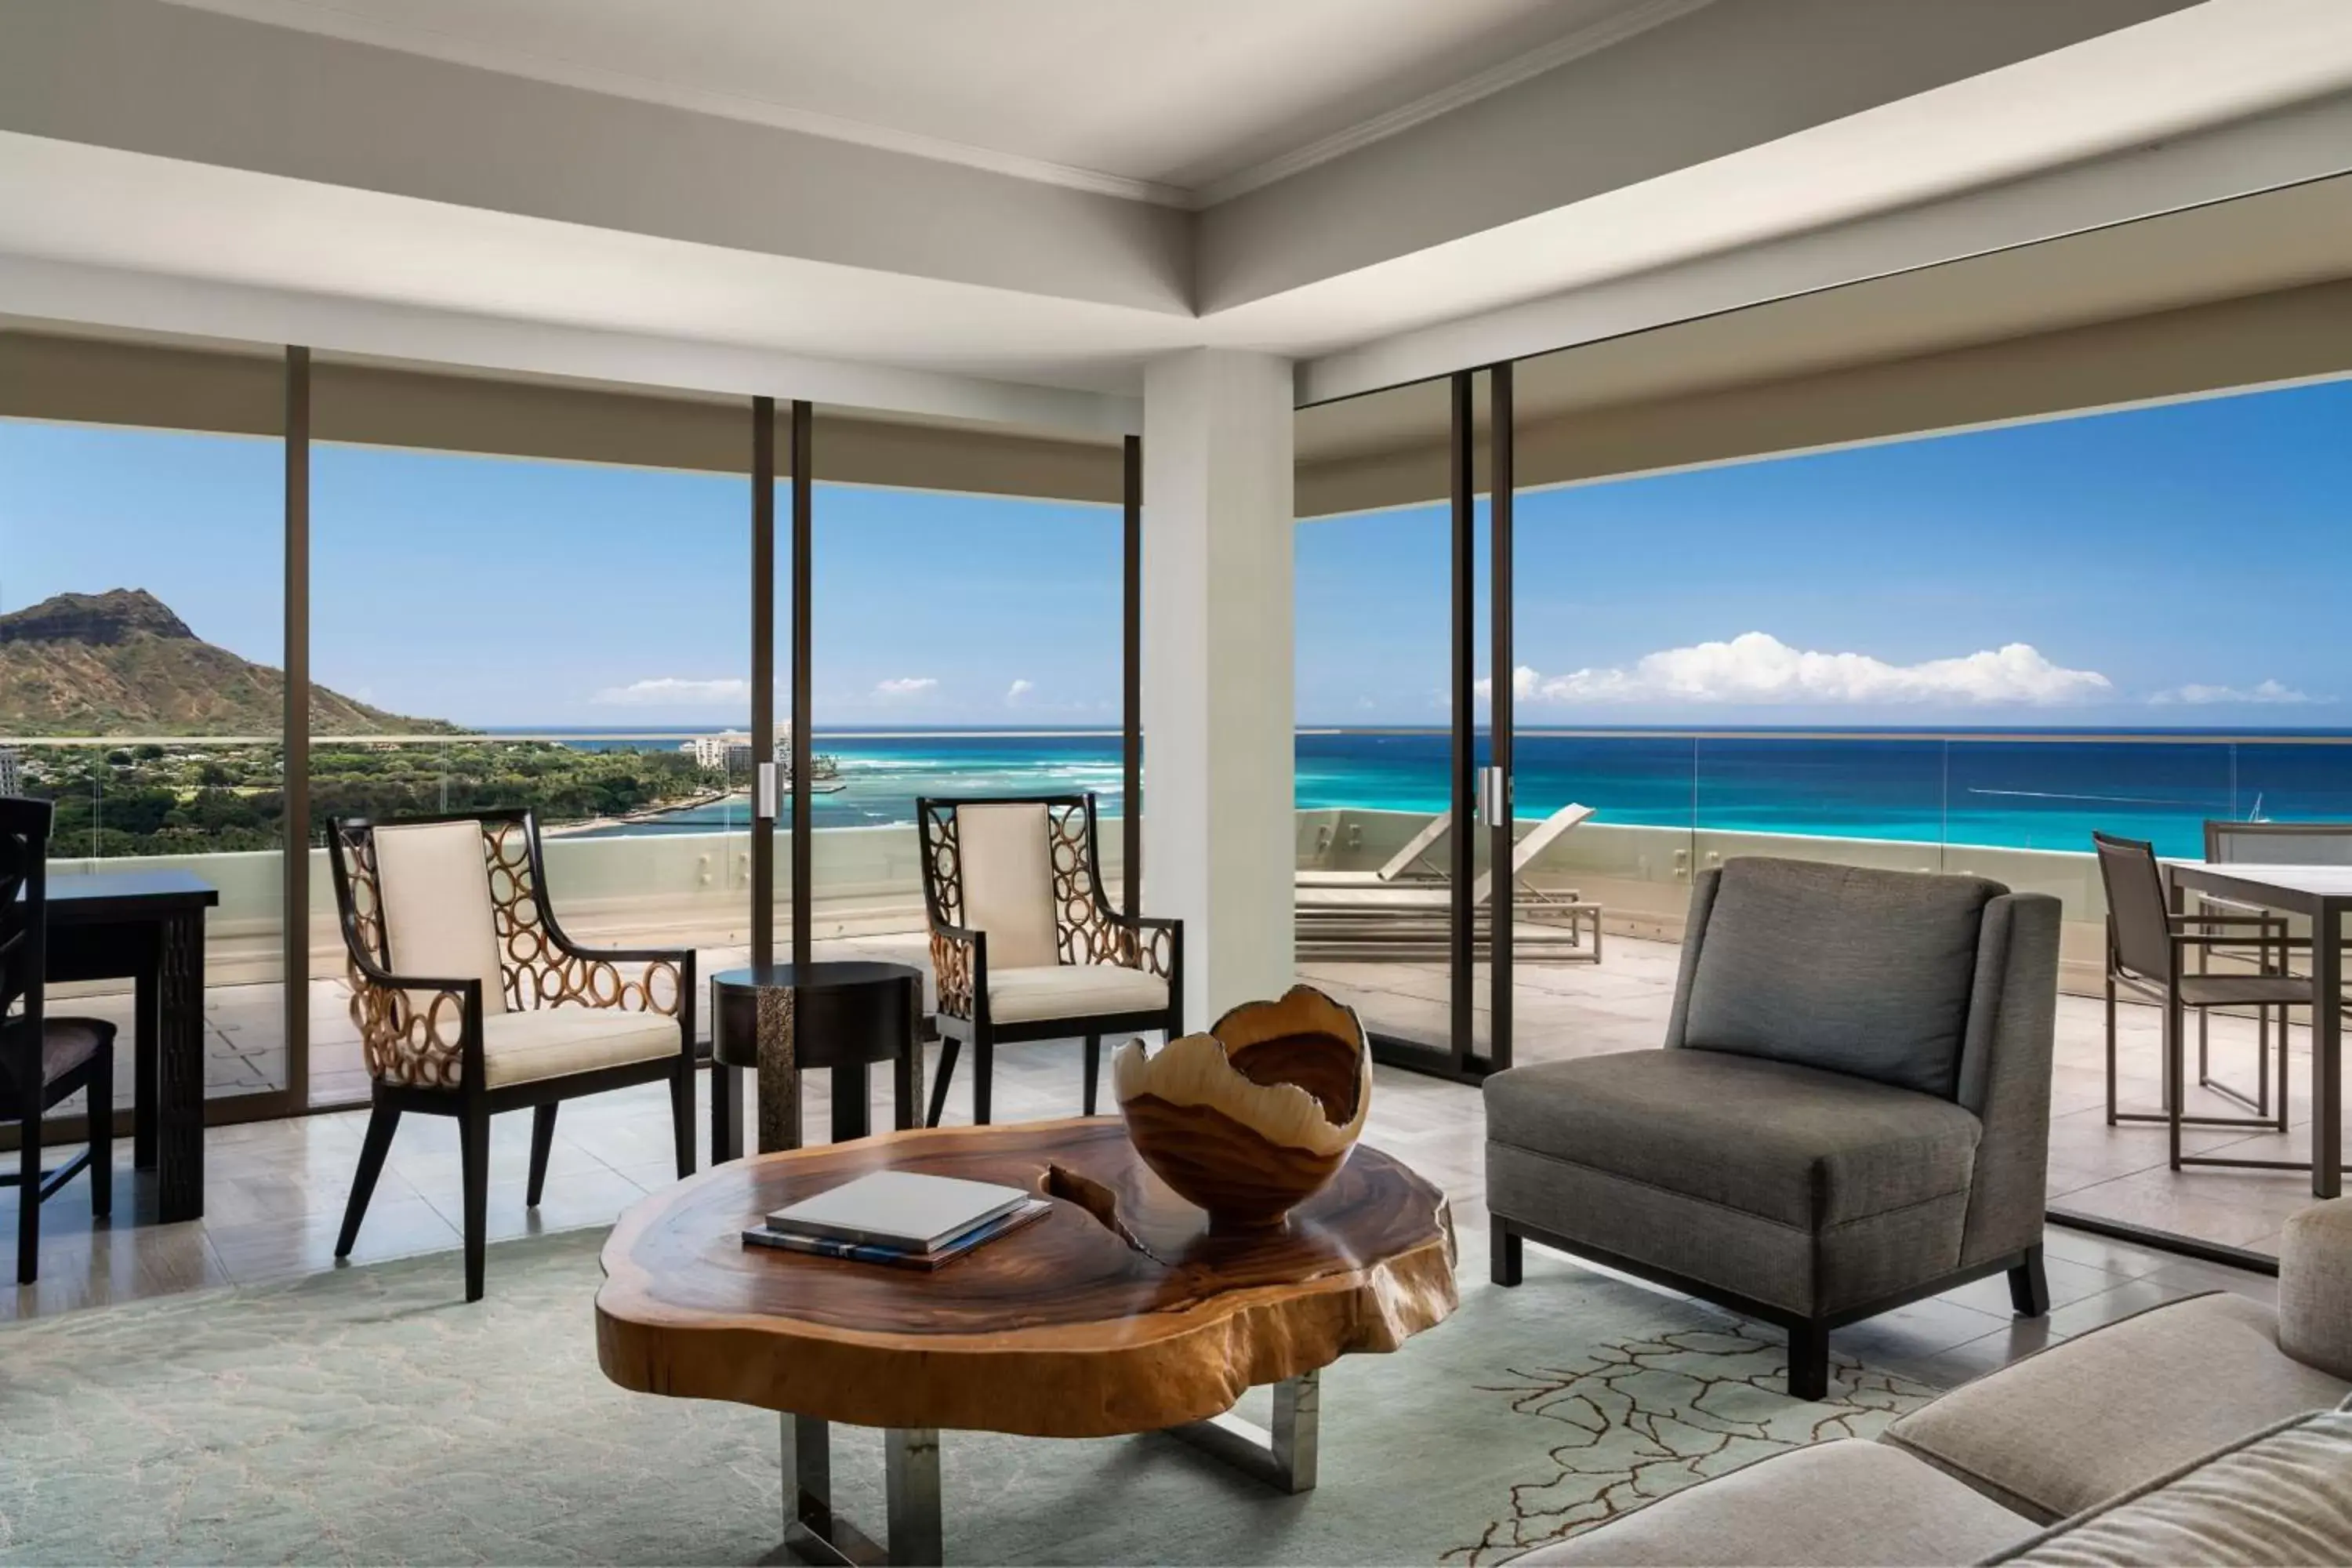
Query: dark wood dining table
{"type": "Point", "coordinates": [148, 926]}
{"type": "Point", "coordinates": [2322, 894]}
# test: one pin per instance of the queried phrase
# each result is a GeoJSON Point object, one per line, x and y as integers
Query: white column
{"type": "Point", "coordinates": [1220, 835]}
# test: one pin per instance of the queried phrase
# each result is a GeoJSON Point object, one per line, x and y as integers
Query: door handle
{"type": "Point", "coordinates": [1493, 796]}
{"type": "Point", "coordinates": [763, 791]}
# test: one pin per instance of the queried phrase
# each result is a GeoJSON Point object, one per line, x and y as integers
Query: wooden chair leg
{"type": "Point", "coordinates": [1094, 1070]}
{"type": "Point", "coordinates": [2029, 1285]}
{"type": "Point", "coordinates": [984, 1074]}
{"type": "Point", "coordinates": [949, 1046]}
{"type": "Point", "coordinates": [682, 1114]}
{"type": "Point", "coordinates": [474, 1151]}
{"type": "Point", "coordinates": [99, 1100]}
{"type": "Point", "coordinates": [383, 1121]}
{"type": "Point", "coordinates": [1809, 1363]}
{"type": "Point", "coordinates": [28, 1193]}
{"type": "Point", "coordinates": [1508, 1255]}
{"type": "Point", "coordinates": [543, 1140]}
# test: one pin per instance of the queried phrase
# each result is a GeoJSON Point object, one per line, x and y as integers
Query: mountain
{"type": "Point", "coordinates": [121, 663]}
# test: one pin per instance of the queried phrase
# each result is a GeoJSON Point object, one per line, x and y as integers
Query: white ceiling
{"type": "Point", "coordinates": [1182, 102]}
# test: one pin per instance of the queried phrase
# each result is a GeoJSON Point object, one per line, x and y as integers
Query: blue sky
{"type": "Point", "coordinates": [2180, 565]}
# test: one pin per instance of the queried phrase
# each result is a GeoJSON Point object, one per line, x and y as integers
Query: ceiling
{"type": "Point", "coordinates": [1178, 102]}
{"type": "Point", "coordinates": [934, 206]}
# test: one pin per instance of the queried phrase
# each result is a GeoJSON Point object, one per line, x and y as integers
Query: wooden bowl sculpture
{"type": "Point", "coordinates": [1250, 1120]}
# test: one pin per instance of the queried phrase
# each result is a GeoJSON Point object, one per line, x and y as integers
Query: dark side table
{"type": "Point", "coordinates": [782, 1020]}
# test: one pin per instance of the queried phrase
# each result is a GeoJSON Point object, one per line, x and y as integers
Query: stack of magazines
{"type": "Point", "coordinates": [900, 1218]}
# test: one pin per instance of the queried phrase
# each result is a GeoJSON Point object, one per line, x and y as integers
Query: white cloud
{"type": "Point", "coordinates": [670, 689]}
{"type": "Point", "coordinates": [1757, 668]}
{"type": "Point", "coordinates": [906, 686]}
{"type": "Point", "coordinates": [1017, 690]}
{"type": "Point", "coordinates": [2197, 696]}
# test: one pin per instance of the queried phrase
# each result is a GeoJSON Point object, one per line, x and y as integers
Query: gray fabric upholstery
{"type": "Point", "coordinates": [2093, 1416]}
{"type": "Point", "coordinates": [1849, 969]}
{"type": "Point", "coordinates": [2281, 1495]}
{"type": "Point", "coordinates": [2316, 1288]}
{"type": "Point", "coordinates": [1792, 1143]}
{"type": "Point", "coordinates": [1795, 1268]}
{"type": "Point", "coordinates": [2005, 1058]}
{"type": "Point", "coordinates": [1847, 1502]}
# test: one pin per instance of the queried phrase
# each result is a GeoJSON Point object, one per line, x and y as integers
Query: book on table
{"type": "Point", "coordinates": [898, 1216]}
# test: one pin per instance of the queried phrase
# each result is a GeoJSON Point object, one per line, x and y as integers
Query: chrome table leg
{"type": "Point", "coordinates": [814, 1534]}
{"type": "Point", "coordinates": [1283, 1458]}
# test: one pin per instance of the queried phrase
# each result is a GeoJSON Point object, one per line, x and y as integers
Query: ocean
{"type": "Point", "coordinates": [1994, 788]}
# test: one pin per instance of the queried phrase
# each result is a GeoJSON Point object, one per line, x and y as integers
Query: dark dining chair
{"type": "Point", "coordinates": [2263, 844]}
{"type": "Point", "coordinates": [2147, 949]}
{"type": "Point", "coordinates": [44, 1059]}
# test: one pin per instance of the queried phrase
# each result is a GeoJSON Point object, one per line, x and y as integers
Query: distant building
{"type": "Point", "coordinates": [12, 779]}
{"type": "Point", "coordinates": [730, 751]}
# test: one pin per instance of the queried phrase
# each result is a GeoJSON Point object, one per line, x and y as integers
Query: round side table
{"type": "Point", "coordinates": [782, 1020]}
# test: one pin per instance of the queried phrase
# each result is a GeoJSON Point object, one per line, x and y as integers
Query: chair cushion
{"type": "Point", "coordinates": [2283, 1496]}
{"type": "Point", "coordinates": [1791, 1144]}
{"type": "Point", "coordinates": [2075, 1425]}
{"type": "Point", "coordinates": [2316, 1286]}
{"type": "Point", "coordinates": [1031, 994]}
{"type": "Point", "coordinates": [1007, 864]}
{"type": "Point", "coordinates": [435, 882]}
{"type": "Point", "coordinates": [1857, 970]}
{"type": "Point", "coordinates": [555, 1042]}
{"type": "Point", "coordinates": [1846, 1502]}
{"type": "Point", "coordinates": [67, 1043]}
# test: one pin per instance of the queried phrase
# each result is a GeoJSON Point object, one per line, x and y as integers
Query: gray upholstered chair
{"type": "Point", "coordinates": [1852, 1110]}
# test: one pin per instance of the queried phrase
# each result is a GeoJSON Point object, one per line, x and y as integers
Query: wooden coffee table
{"type": "Point", "coordinates": [1120, 1312]}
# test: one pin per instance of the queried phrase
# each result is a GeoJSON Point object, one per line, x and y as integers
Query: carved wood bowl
{"type": "Point", "coordinates": [1251, 1118]}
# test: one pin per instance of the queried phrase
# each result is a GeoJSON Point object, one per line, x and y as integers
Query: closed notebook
{"type": "Point", "coordinates": [900, 1210]}
{"type": "Point", "coordinates": [826, 1247]}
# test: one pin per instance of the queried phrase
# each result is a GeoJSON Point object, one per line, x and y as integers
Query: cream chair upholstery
{"type": "Point", "coordinates": [471, 1000]}
{"type": "Point", "coordinates": [1024, 944]}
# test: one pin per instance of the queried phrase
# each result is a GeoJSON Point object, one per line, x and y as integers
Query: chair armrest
{"type": "Point", "coordinates": [959, 969]}
{"type": "Point", "coordinates": [633, 979]}
{"type": "Point", "coordinates": [2316, 1286]}
{"type": "Point", "coordinates": [416, 1030]}
{"type": "Point", "coordinates": [1154, 946]}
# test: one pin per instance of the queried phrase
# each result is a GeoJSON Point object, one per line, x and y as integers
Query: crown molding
{"type": "Point", "coordinates": [1587, 40]}
{"type": "Point", "coordinates": [314, 16]}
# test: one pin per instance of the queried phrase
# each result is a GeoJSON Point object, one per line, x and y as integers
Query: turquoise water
{"type": "Point", "coordinates": [2039, 795]}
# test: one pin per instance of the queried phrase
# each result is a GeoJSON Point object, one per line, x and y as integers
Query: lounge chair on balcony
{"type": "Point", "coordinates": [1399, 922]}
{"type": "Point", "coordinates": [1409, 865]}
{"type": "Point", "coordinates": [471, 1000]}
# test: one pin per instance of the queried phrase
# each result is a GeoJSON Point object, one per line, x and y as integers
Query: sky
{"type": "Point", "coordinates": [2167, 566]}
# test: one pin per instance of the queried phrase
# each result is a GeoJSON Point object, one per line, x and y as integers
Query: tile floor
{"type": "Point", "coordinates": [276, 1189]}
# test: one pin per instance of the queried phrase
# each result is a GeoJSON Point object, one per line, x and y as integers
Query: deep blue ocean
{"type": "Point", "coordinates": [1967, 789]}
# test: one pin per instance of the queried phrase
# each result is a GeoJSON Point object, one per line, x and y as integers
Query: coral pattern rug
{"type": "Point", "coordinates": [371, 1415]}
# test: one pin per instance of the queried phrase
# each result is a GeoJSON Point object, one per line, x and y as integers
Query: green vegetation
{"type": "Point", "coordinates": [208, 799]}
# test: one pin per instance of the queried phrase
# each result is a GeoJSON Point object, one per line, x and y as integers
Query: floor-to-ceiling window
{"type": "Point", "coordinates": [141, 650]}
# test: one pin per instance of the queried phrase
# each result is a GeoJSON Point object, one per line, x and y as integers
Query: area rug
{"type": "Point", "coordinates": [370, 1416]}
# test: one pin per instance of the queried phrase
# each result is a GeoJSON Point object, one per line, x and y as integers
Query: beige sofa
{"type": "Point", "coordinates": [2213, 1429]}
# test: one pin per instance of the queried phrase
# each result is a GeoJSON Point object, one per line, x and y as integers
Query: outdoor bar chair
{"type": "Point", "coordinates": [471, 1000]}
{"type": "Point", "coordinates": [43, 1059]}
{"type": "Point", "coordinates": [1024, 944]}
{"type": "Point", "coordinates": [2147, 948]}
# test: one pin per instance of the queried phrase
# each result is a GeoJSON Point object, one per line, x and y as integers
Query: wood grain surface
{"type": "Point", "coordinates": [1120, 1311]}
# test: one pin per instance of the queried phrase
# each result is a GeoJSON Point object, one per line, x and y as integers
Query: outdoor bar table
{"type": "Point", "coordinates": [2323, 894]}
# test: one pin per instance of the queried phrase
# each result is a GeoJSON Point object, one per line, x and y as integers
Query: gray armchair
{"type": "Point", "coordinates": [1852, 1111]}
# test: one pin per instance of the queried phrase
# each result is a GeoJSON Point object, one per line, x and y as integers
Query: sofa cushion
{"type": "Point", "coordinates": [1842, 1502]}
{"type": "Point", "coordinates": [1071, 991]}
{"type": "Point", "coordinates": [553, 1042]}
{"type": "Point", "coordinates": [2075, 1425]}
{"type": "Point", "coordinates": [2316, 1286]}
{"type": "Point", "coordinates": [1792, 1143]}
{"type": "Point", "coordinates": [1007, 864]}
{"type": "Point", "coordinates": [1840, 967]}
{"type": "Point", "coordinates": [434, 884]}
{"type": "Point", "coordinates": [2283, 1496]}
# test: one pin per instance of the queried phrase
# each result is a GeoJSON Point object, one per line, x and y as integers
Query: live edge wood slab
{"type": "Point", "coordinates": [1120, 1311]}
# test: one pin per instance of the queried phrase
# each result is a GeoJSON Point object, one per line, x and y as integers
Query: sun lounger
{"type": "Point", "coordinates": [1373, 922]}
{"type": "Point", "coordinates": [1408, 864]}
